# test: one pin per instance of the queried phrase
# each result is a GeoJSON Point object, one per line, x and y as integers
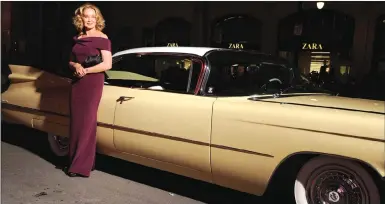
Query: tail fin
{"type": "Point", "coordinates": [22, 73]}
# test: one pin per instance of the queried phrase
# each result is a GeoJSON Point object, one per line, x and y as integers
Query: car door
{"type": "Point", "coordinates": [160, 118]}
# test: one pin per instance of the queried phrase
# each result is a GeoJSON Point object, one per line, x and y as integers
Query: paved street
{"type": "Point", "coordinates": [29, 176]}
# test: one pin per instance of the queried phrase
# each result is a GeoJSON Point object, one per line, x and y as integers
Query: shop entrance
{"type": "Point", "coordinates": [308, 61]}
{"type": "Point", "coordinates": [317, 41]}
{"type": "Point", "coordinates": [319, 59]}
{"type": "Point", "coordinates": [312, 56]}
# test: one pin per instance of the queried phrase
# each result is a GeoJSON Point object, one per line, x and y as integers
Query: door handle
{"type": "Point", "coordinates": [124, 98]}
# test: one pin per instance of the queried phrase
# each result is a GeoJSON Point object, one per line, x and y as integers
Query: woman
{"type": "Point", "coordinates": [87, 87]}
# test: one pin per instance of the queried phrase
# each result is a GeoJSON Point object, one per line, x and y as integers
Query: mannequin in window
{"type": "Point", "coordinates": [323, 75]}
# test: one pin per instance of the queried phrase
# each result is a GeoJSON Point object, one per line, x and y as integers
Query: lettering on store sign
{"type": "Point", "coordinates": [172, 45]}
{"type": "Point", "coordinates": [312, 46]}
{"type": "Point", "coordinates": [235, 45]}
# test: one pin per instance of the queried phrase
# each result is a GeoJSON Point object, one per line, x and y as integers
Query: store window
{"type": "Point", "coordinates": [172, 32]}
{"type": "Point", "coordinates": [237, 32]}
{"type": "Point", "coordinates": [317, 41]}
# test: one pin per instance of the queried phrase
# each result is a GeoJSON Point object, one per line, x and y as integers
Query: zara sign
{"type": "Point", "coordinates": [312, 46]}
{"type": "Point", "coordinates": [235, 45]}
{"type": "Point", "coordinates": [172, 45]}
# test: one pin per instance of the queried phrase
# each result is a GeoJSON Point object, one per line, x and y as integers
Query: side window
{"type": "Point", "coordinates": [178, 74]}
{"type": "Point", "coordinates": [156, 72]}
{"type": "Point", "coordinates": [246, 78]}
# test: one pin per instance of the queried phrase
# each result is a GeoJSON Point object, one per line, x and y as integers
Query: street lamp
{"type": "Point", "coordinates": [320, 5]}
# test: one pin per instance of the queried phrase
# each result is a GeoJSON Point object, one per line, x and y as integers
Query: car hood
{"type": "Point", "coordinates": [327, 101]}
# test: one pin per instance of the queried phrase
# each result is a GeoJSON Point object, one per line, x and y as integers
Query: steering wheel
{"type": "Point", "coordinates": [272, 81]}
{"type": "Point", "coordinates": [275, 79]}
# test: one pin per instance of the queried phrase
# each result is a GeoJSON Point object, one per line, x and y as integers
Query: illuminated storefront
{"type": "Point", "coordinates": [172, 32]}
{"type": "Point", "coordinates": [379, 46]}
{"type": "Point", "coordinates": [313, 38]}
{"type": "Point", "coordinates": [236, 32]}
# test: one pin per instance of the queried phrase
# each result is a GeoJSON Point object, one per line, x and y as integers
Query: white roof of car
{"type": "Point", "coordinates": [200, 51]}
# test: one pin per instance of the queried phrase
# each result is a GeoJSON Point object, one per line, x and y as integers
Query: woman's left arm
{"type": "Point", "coordinates": [101, 67]}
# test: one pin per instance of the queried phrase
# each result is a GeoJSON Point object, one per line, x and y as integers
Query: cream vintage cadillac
{"type": "Point", "coordinates": [233, 118]}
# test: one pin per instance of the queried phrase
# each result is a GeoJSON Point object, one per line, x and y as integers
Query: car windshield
{"type": "Point", "coordinates": [237, 73]}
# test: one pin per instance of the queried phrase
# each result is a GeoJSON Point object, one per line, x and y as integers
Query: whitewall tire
{"type": "Point", "coordinates": [329, 180]}
{"type": "Point", "coordinates": [58, 144]}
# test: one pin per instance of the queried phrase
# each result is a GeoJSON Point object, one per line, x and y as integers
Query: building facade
{"type": "Point", "coordinates": [347, 35]}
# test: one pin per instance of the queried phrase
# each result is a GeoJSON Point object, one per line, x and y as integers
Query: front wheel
{"type": "Point", "coordinates": [334, 181]}
{"type": "Point", "coordinates": [58, 144]}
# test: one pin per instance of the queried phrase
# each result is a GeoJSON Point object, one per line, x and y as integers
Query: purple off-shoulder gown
{"type": "Point", "coordinates": [84, 102]}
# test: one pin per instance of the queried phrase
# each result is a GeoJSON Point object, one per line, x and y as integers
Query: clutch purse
{"type": "Point", "coordinates": [92, 61]}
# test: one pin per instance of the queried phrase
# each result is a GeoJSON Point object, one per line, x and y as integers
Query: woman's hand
{"type": "Point", "coordinates": [79, 71]}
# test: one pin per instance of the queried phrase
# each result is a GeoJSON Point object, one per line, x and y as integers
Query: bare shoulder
{"type": "Point", "coordinates": [103, 35]}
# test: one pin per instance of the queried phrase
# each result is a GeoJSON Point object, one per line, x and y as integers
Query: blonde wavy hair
{"type": "Point", "coordinates": [78, 22]}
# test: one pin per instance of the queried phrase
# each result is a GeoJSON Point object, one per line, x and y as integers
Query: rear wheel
{"type": "Point", "coordinates": [329, 180]}
{"type": "Point", "coordinates": [58, 144]}
{"type": "Point", "coordinates": [4, 83]}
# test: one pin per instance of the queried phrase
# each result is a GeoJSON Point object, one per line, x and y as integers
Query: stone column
{"type": "Point", "coordinates": [269, 41]}
{"type": "Point", "coordinates": [196, 25]}
{"type": "Point", "coordinates": [368, 57]}
{"type": "Point", "coordinates": [6, 9]}
{"type": "Point", "coordinates": [359, 47]}
{"type": "Point", "coordinates": [205, 24]}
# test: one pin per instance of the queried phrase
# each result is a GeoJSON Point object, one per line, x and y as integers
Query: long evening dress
{"type": "Point", "coordinates": [86, 93]}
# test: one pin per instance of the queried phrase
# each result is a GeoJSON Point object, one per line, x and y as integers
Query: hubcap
{"type": "Point", "coordinates": [334, 197]}
{"type": "Point", "coordinates": [62, 142]}
{"type": "Point", "coordinates": [336, 187]}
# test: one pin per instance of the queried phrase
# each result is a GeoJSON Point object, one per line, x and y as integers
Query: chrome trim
{"type": "Point", "coordinates": [241, 150]}
{"type": "Point", "coordinates": [317, 131]}
{"type": "Point", "coordinates": [169, 137]}
{"type": "Point", "coordinates": [29, 110]}
{"type": "Point", "coordinates": [154, 134]}
{"type": "Point", "coordinates": [205, 76]}
{"type": "Point", "coordinates": [261, 99]}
